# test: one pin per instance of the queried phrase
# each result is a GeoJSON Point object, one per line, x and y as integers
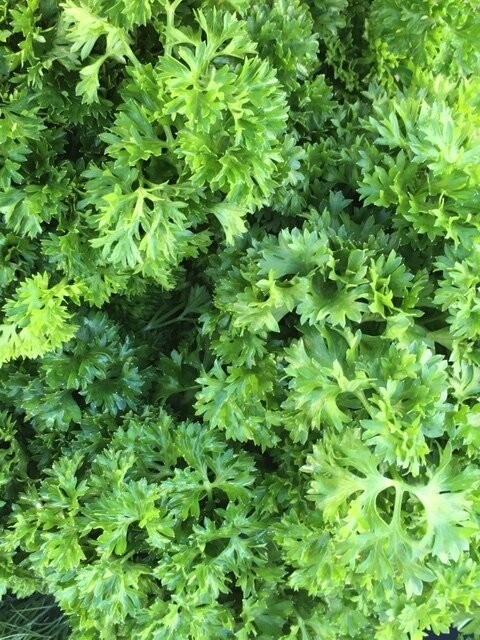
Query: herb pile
{"type": "Point", "coordinates": [240, 317]}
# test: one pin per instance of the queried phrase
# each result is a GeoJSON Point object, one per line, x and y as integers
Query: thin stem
{"type": "Point", "coordinates": [434, 318]}
{"type": "Point", "coordinates": [192, 388]}
{"type": "Point", "coordinates": [442, 336]}
{"type": "Point", "coordinates": [180, 318]}
{"type": "Point", "coordinates": [133, 59]}
{"type": "Point", "coordinates": [397, 507]}
{"type": "Point", "coordinates": [159, 318]}
{"type": "Point", "coordinates": [168, 133]}
{"type": "Point", "coordinates": [363, 399]}
{"type": "Point", "coordinates": [170, 8]}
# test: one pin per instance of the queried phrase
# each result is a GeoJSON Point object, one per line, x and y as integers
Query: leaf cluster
{"type": "Point", "coordinates": [239, 319]}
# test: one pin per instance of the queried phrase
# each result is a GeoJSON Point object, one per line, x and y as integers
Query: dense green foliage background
{"type": "Point", "coordinates": [240, 319]}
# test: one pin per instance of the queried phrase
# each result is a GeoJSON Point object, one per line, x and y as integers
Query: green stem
{"type": "Point", "coordinates": [434, 318]}
{"type": "Point", "coordinates": [442, 336]}
{"type": "Point", "coordinates": [168, 133]}
{"type": "Point", "coordinates": [170, 9]}
{"type": "Point", "coordinates": [397, 507]}
{"type": "Point", "coordinates": [133, 59]}
{"type": "Point", "coordinates": [363, 399]}
{"type": "Point", "coordinates": [160, 318]}
{"type": "Point", "coordinates": [192, 388]}
{"type": "Point", "coordinates": [162, 325]}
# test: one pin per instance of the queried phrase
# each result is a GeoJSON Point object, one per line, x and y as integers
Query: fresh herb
{"type": "Point", "coordinates": [239, 319]}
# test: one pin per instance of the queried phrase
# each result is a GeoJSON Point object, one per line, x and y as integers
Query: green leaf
{"type": "Point", "coordinates": [36, 318]}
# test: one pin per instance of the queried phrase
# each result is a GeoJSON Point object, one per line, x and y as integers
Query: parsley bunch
{"type": "Point", "coordinates": [239, 319]}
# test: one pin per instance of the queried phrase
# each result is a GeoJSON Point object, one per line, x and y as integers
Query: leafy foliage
{"type": "Point", "coordinates": [240, 319]}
